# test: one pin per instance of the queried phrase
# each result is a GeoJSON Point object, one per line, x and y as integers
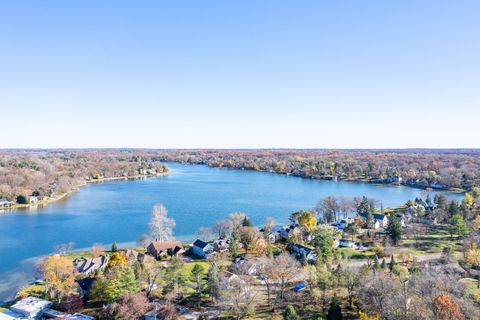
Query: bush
{"type": "Point", "coordinates": [290, 313]}
{"type": "Point", "coordinates": [22, 199]}
{"type": "Point", "coordinates": [378, 249]}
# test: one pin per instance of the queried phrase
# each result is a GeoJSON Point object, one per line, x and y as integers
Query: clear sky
{"type": "Point", "coordinates": [229, 74]}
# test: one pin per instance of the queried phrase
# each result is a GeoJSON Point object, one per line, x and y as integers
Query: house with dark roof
{"type": "Point", "coordinates": [160, 249]}
{"type": "Point", "coordinates": [303, 253]}
{"type": "Point", "coordinates": [379, 220]}
{"type": "Point", "coordinates": [201, 248]}
{"type": "Point", "coordinates": [90, 265]}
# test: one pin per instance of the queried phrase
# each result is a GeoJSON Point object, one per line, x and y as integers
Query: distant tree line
{"type": "Point", "coordinates": [419, 168]}
{"type": "Point", "coordinates": [50, 173]}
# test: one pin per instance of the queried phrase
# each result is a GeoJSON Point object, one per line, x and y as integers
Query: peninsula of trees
{"type": "Point", "coordinates": [31, 177]}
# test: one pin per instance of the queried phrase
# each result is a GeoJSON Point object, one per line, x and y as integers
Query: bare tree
{"type": "Point", "coordinates": [329, 207]}
{"type": "Point", "coordinates": [222, 228]}
{"type": "Point", "coordinates": [240, 297]}
{"type": "Point", "coordinates": [345, 206]}
{"type": "Point", "coordinates": [286, 269]}
{"type": "Point", "coordinates": [161, 226]}
{"type": "Point", "coordinates": [204, 234]}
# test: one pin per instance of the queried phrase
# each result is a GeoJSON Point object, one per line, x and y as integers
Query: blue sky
{"type": "Point", "coordinates": [229, 74]}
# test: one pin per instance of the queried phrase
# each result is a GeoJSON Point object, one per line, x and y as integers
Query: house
{"type": "Point", "coordinates": [4, 203]}
{"type": "Point", "coordinates": [394, 179]}
{"type": "Point", "coordinates": [221, 245]}
{"type": "Point", "coordinates": [32, 199]}
{"type": "Point", "coordinates": [379, 220]}
{"type": "Point", "coordinates": [285, 232]}
{"type": "Point", "coordinates": [272, 236]}
{"type": "Point", "coordinates": [31, 308]}
{"type": "Point", "coordinates": [147, 171]}
{"type": "Point", "coordinates": [90, 265]}
{"type": "Point", "coordinates": [304, 253]}
{"type": "Point", "coordinates": [230, 280]}
{"type": "Point", "coordinates": [240, 265]}
{"type": "Point", "coordinates": [159, 249]}
{"type": "Point", "coordinates": [343, 224]}
{"type": "Point", "coordinates": [135, 256]}
{"type": "Point", "coordinates": [345, 243]}
{"type": "Point", "coordinates": [201, 248]}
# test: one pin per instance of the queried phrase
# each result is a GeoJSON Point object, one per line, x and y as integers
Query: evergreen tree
{"type": "Point", "coordinates": [213, 281]}
{"type": "Point", "coordinates": [392, 263]}
{"type": "Point", "coordinates": [457, 226]}
{"type": "Point", "coordinates": [376, 263]}
{"type": "Point", "coordinates": [246, 222]}
{"type": "Point", "coordinates": [384, 264]}
{"type": "Point", "coordinates": [114, 247]}
{"type": "Point", "coordinates": [334, 312]}
{"type": "Point", "coordinates": [394, 229]}
{"type": "Point", "coordinates": [290, 313]}
{"type": "Point", "coordinates": [233, 247]}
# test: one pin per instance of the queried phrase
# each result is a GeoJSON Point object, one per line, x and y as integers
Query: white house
{"type": "Point", "coordinates": [378, 220]}
{"type": "Point", "coordinates": [32, 199]}
{"type": "Point", "coordinates": [201, 248]}
{"type": "Point", "coordinates": [345, 243]}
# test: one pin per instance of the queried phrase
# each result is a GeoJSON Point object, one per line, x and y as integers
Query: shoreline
{"type": "Point", "coordinates": [49, 200]}
{"type": "Point", "coordinates": [331, 178]}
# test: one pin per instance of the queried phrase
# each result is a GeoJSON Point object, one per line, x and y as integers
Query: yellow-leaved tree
{"type": "Point", "coordinates": [472, 256]}
{"type": "Point", "coordinates": [59, 275]}
{"type": "Point", "coordinates": [307, 220]}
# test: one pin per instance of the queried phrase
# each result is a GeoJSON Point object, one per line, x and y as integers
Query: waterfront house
{"type": "Point", "coordinates": [31, 308]}
{"type": "Point", "coordinates": [303, 253]}
{"type": "Point", "coordinates": [90, 265]}
{"type": "Point", "coordinates": [201, 248]}
{"type": "Point", "coordinates": [32, 199]}
{"type": "Point", "coordinates": [160, 249]}
{"type": "Point", "coordinates": [4, 203]}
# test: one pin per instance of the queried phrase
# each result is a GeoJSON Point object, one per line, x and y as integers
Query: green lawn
{"type": "Point", "coordinates": [356, 254]}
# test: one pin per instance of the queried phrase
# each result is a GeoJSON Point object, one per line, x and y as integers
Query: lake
{"type": "Point", "coordinates": [195, 196]}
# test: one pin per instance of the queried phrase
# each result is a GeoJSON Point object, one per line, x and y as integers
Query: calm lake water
{"type": "Point", "coordinates": [195, 196]}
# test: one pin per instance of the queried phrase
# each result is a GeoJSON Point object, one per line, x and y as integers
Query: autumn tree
{"type": "Point", "coordinates": [445, 308]}
{"type": "Point", "coordinates": [251, 239]}
{"type": "Point", "coordinates": [472, 256]}
{"type": "Point", "coordinates": [58, 274]}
